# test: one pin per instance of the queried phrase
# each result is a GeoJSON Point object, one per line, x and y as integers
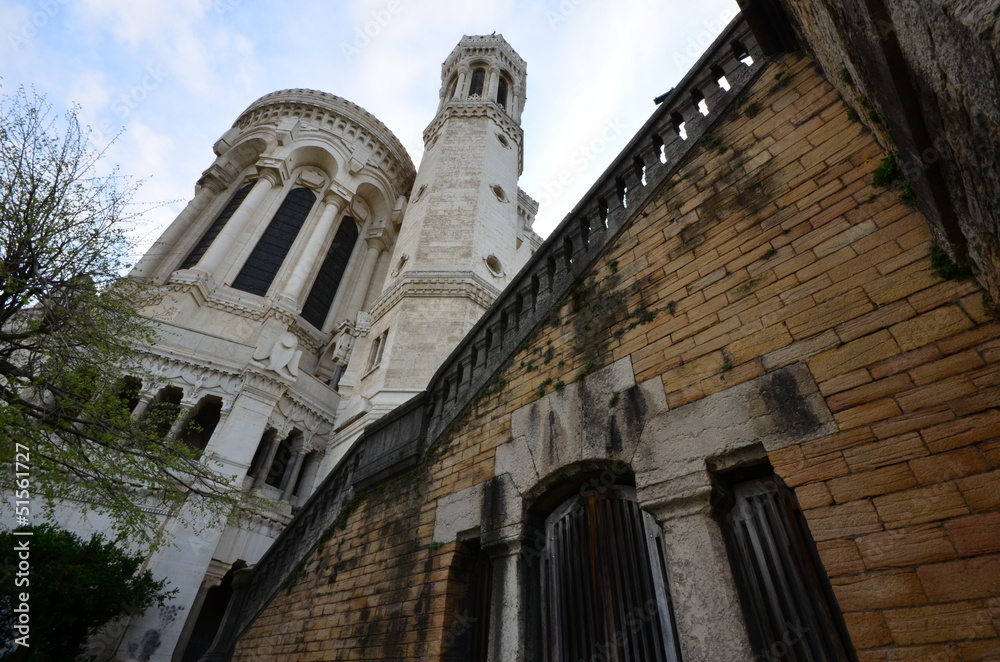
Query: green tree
{"type": "Point", "coordinates": [72, 338]}
{"type": "Point", "coordinates": [76, 586]}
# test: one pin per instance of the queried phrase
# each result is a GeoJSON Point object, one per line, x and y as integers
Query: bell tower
{"type": "Point", "coordinates": [466, 231]}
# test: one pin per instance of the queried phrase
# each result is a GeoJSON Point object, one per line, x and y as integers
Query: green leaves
{"type": "Point", "coordinates": [72, 337]}
{"type": "Point", "coordinates": [75, 587]}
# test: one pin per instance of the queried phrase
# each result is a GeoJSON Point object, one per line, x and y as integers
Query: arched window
{"type": "Point", "coordinates": [787, 599]}
{"type": "Point", "coordinates": [604, 587]}
{"type": "Point", "coordinates": [205, 419]}
{"type": "Point", "coordinates": [215, 228]}
{"type": "Point", "coordinates": [331, 272]}
{"type": "Point", "coordinates": [262, 266]}
{"type": "Point", "coordinates": [502, 92]}
{"type": "Point", "coordinates": [476, 85]}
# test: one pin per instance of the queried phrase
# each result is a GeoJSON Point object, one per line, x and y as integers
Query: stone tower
{"type": "Point", "coordinates": [315, 281]}
{"type": "Point", "coordinates": [466, 232]}
{"type": "Point", "coordinates": [283, 248]}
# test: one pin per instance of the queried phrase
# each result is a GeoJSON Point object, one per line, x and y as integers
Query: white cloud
{"type": "Point", "coordinates": [179, 73]}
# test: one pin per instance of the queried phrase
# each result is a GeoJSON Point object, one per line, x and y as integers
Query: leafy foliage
{"type": "Point", "coordinates": [76, 586]}
{"type": "Point", "coordinates": [71, 336]}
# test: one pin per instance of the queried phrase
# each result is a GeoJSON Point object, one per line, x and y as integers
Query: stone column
{"type": "Point", "coordinates": [144, 401]}
{"type": "Point", "coordinates": [507, 626]}
{"type": "Point", "coordinates": [460, 88]}
{"type": "Point", "coordinates": [710, 622]}
{"type": "Point", "coordinates": [273, 440]}
{"type": "Point", "coordinates": [222, 247]}
{"type": "Point", "coordinates": [227, 408]}
{"type": "Point", "coordinates": [299, 451]}
{"type": "Point", "coordinates": [166, 245]}
{"type": "Point", "coordinates": [254, 405]}
{"type": "Point", "coordinates": [305, 258]}
{"type": "Point", "coordinates": [493, 81]}
{"type": "Point", "coordinates": [183, 416]}
{"type": "Point", "coordinates": [376, 244]}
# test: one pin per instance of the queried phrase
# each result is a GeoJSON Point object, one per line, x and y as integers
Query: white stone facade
{"type": "Point", "coordinates": [283, 371]}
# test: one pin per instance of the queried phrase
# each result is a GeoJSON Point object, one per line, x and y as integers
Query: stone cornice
{"type": "Point", "coordinates": [265, 386]}
{"type": "Point", "coordinates": [436, 284]}
{"type": "Point", "coordinates": [339, 117]}
{"type": "Point", "coordinates": [160, 360]}
{"type": "Point", "coordinates": [227, 301]}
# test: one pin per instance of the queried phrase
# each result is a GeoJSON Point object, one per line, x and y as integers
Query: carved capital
{"type": "Point", "coordinates": [264, 384]}
{"type": "Point", "coordinates": [377, 238]}
{"type": "Point", "coordinates": [337, 194]}
{"type": "Point", "coordinates": [272, 169]}
{"type": "Point", "coordinates": [216, 179]}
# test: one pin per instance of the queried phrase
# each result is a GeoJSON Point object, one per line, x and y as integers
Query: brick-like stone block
{"type": "Point", "coordinates": [853, 355]}
{"type": "Point", "coordinates": [982, 491]}
{"type": "Point", "coordinates": [975, 534]}
{"type": "Point", "coordinates": [869, 392]}
{"type": "Point", "coordinates": [808, 470]}
{"type": "Point", "coordinates": [867, 629]}
{"type": "Point", "coordinates": [885, 451]}
{"type": "Point", "coordinates": [845, 521]}
{"type": "Point", "coordinates": [963, 431]}
{"type": "Point", "coordinates": [955, 364]}
{"type": "Point", "coordinates": [870, 412]}
{"type": "Point", "coordinates": [948, 622]}
{"type": "Point", "coordinates": [881, 590]}
{"type": "Point", "coordinates": [962, 579]}
{"type": "Point", "coordinates": [925, 543]}
{"type": "Point", "coordinates": [901, 284]}
{"type": "Point", "coordinates": [935, 394]}
{"type": "Point", "coordinates": [924, 504]}
{"type": "Point", "coordinates": [871, 483]}
{"type": "Point", "coordinates": [840, 557]}
{"type": "Point", "coordinates": [947, 466]}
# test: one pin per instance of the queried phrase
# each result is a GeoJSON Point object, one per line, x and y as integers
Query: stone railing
{"type": "Point", "coordinates": [652, 156]}
{"type": "Point", "coordinates": [396, 442]}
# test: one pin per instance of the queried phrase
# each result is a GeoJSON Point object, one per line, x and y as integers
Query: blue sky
{"type": "Point", "coordinates": [174, 75]}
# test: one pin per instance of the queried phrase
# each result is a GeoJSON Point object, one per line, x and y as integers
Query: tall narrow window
{"type": "Point", "coordinates": [375, 355]}
{"type": "Point", "coordinates": [215, 228]}
{"type": "Point", "coordinates": [262, 266]}
{"type": "Point", "coordinates": [605, 593]}
{"type": "Point", "coordinates": [502, 92]}
{"type": "Point", "coordinates": [470, 586]}
{"type": "Point", "coordinates": [476, 85]}
{"type": "Point", "coordinates": [787, 600]}
{"type": "Point", "coordinates": [331, 272]}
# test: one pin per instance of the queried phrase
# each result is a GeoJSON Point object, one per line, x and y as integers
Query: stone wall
{"type": "Point", "coordinates": [766, 300]}
{"type": "Point", "coordinates": [924, 75]}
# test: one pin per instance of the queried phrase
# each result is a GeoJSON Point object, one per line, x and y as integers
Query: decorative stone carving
{"type": "Point", "coordinates": [280, 356]}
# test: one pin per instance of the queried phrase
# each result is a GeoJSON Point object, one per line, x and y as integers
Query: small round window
{"type": "Point", "coordinates": [493, 264]}
{"type": "Point", "coordinates": [418, 194]}
{"type": "Point", "coordinates": [499, 192]}
{"type": "Point", "coordinates": [503, 141]}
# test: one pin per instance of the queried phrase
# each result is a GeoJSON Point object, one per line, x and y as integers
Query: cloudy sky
{"type": "Point", "coordinates": [172, 76]}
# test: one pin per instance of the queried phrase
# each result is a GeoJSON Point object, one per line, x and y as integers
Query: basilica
{"type": "Point", "coordinates": [731, 409]}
